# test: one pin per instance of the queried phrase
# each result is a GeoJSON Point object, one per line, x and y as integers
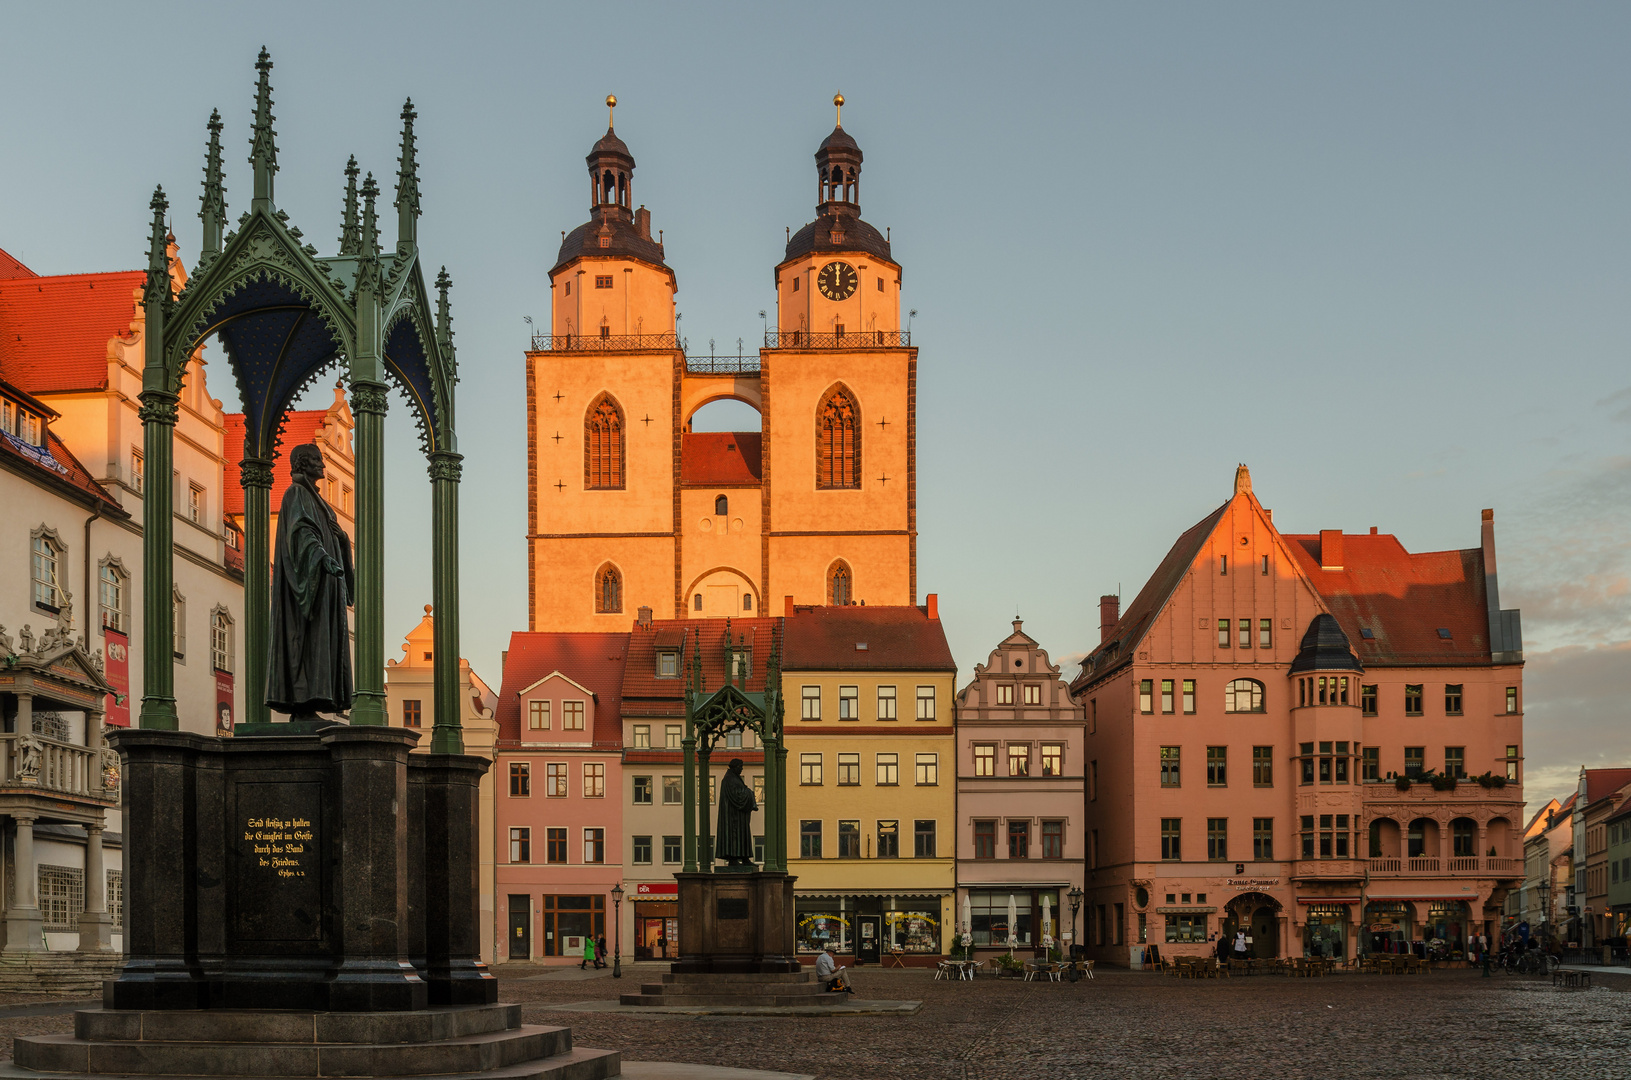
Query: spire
{"type": "Point", "coordinates": [158, 254]}
{"type": "Point", "coordinates": [611, 111]}
{"type": "Point", "coordinates": [370, 225]}
{"type": "Point", "coordinates": [213, 211]}
{"type": "Point", "coordinates": [838, 169]}
{"type": "Point", "coordinates": [263, 144]}
{"type": "Point", "coordinates": [350, 231]}
{"type": "Point", "coordinates": [444, 314]}
{"type": "Point", "coordinates": [407, 184]}
{"type": "Point", "coordinates": [838, 106]}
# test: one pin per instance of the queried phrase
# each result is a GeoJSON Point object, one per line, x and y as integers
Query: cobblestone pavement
{"type": "Point", "coordinates": [1447, 1024]}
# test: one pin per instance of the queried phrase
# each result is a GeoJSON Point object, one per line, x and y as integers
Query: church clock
{"type": "Point", "coordinates": [837, 281]}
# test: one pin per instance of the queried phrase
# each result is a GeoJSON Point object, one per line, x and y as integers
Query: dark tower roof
{"type": "Point", "coordinates": [614, 228]}
{"type": "Point", "coordinates": [1325, 648]}
{"type": "Point", "coordinates": [838, 225]}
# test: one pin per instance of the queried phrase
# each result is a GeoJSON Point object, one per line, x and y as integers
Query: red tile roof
{"type": "Point", "coordinates": [895, 639]}
{"type": "Point", "coordinates": [593, 661]}
{"type": "Point", "coordinates": [54, 331]}
{"type": "Point", "coordinates": [54, 461]}
{"type": "Point", "coordinates": [1601, 783]}
{"type": "Point", "coordinates": [301, 426]}
{"type": "Point", "coordinates": [647, 694]}
{"type": "Point", "coordinates": [11, 268]}
{"type": "Point", "coordinates": [1404, 599]}
{"type": "Point", "coordinates": [721, 458]}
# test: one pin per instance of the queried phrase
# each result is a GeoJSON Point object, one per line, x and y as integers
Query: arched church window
{"type": "Point", "coordinates": [603, 445]}
{"type": "Point", "coordinates": [838, 441]}
{"type": "Point", "coordinates": [840, 586]}
{"type": "Point", "coordinates": [608, 590]}
{"type": "Point", "coordinates": [747, 601]}
{"type": "Point", "coordinates": [722, 506]}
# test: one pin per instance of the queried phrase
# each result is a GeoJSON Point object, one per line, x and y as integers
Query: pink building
{"type": "Point", "coordinates": [558, 772]}
{"type": "Point", "coordinates": [1315, 740]}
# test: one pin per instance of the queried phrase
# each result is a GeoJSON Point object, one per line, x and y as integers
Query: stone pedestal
{"type": "Point", "coordinates": [735, 923]}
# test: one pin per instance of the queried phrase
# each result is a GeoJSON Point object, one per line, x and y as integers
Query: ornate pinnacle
{"type": "Point", "coordinates": [370, 226]}
{"type": "Point", "coordinates": [407, 183]}
{"type": "Point", "coordinates": [263, 143]}
{"type": "Point", "coordinates": [158, 255]}
{"type": "Point", "coordinates": [444, 311]}
{"type": "Point", "coordinates": [213, 209]}
{"type": "Point", "coordinates": [350, 231]}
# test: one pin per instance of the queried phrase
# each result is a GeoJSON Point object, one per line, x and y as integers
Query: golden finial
{"type": "Point", "coordinates": [838, 103]}
{"type": "Point", "coordinates": [611, 110]}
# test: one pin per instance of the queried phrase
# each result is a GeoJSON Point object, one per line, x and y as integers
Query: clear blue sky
{"type": "Point", "coordinates": [1378, 252]}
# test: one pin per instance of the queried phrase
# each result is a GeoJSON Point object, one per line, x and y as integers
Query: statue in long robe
{"type": "Point", "coordinates": [312, 586]}
{"type": "Point", "coordinates": [734, 840]}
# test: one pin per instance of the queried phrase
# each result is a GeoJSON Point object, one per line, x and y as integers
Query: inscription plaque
{"type": "Point", "coordinates": [731, 907]}
{"type": "Point", "coordinates": [277, 836]}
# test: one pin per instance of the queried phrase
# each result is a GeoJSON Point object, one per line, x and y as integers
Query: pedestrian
{"type": "Point", "coordinates": [588, 952]}
{"type": "Point", "coordinates": [1222, 948]}
{"type": "Point", "coordinates": [600, 951]}
{"type": "Point", "coordinates": [1240, 945]}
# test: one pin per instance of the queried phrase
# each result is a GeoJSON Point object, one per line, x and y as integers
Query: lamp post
{"type": "Point", "coordinates": [617, 931]}
{"type": "Point", "coordinates": [1075, 898]}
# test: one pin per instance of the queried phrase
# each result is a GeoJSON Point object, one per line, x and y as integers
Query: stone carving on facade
{"type": "Point", "coordinates": [5, 642]}
{"type": "Point", "coordinates": [29, 757]}
{"type": "Point", "coordinates": [25, 640]}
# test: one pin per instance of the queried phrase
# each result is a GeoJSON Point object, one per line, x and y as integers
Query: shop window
{"type": "Point", "coordinates": [1183, 927]}
{"type": "Point", "coordinates": [1053, 839]}
{"type": "Point", "coordinates": [1262, 766]}
{"type": "Point", "coordinates": [1217, 766]}
{"type": "Point", "coordinates": [988, 916]}
{"type": "Point", "coordinates": [1170, 762]}
{"type": "Point", "coordinates": [985, 839]}
{"type": "Point", "coordinates": [849, 839]}
{"type": "Point", "coordinates": [1019, 839]}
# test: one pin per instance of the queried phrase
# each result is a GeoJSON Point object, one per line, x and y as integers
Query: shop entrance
{"type": "Point", "coordinates": [1389, 925]}
{"type": "Point", "coordinates": [1258, 915]}
{"type": "Point", "coordinates": [520, 926]}
{"type": "Point", "coordinates": [570, 919]}
{"type": "Point", "coordinates": [1326, 931]}
{"type": "Point", "coordinates": [656, 932]}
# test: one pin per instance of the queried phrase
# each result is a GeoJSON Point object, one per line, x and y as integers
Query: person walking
{"type": "Point", "coordinates": [588, 953]}
{"type": "Point", "coordinates": [600, 951]}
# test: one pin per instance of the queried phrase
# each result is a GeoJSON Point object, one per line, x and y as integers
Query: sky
{"type": "Point", "coordinates": [1377, 252]}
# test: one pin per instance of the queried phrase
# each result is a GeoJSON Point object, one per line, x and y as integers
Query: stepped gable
{"type": "Point", "coordinates": [721, 458]}
{"type": "Point", "coordinates": [54, 331]}
{"type": "Point", "coordinates": [595, 661]}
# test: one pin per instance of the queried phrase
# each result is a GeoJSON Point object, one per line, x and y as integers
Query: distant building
{"type": "Point", "coordinates": [330, 429]}
{"type": "Point", "coordinates": [1522, 905]}
{"type": "Point", "coordinates": [1602, 792]}
{"type": "Point", "coordinates": [1549, 874]}
{"type": "Point", "coordinates": [1618, 855]}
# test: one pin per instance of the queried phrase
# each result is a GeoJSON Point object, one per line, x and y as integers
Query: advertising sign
{"type": "Point", "coordinates": [116, 663]}
{"type": "Point", "coordinates": [223, 703]}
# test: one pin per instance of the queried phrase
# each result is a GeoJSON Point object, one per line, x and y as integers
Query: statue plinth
{"type": "Point", "coordinates": [736, 923]}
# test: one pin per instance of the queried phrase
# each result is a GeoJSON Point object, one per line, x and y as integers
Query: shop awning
{"type": "Point", "coordinates": [1329, 899]}
{"type": "Point", "coordinates": [920, 894]}
{"type": "Point", "coordinates": [1424, 896]}
{"type": "Point", "coordinates": [1182, 909]}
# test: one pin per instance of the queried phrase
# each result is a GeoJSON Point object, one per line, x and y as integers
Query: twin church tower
{"type": "Point", "coordinates": [627, 508]}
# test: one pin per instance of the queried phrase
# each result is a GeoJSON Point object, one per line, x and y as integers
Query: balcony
{"type": "Point", "coordinates": [1461, 866]}
{"type": "Point", "coordinates": [613, 343]}
{"type": "Point", "coordinates": [851, 339]}
{"type": "Point", "coordinates": [35, 763]}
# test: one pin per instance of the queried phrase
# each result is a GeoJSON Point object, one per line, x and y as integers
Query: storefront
{"type": "Point", "coordinates": [1389, 926]}
{"type": "Point", "coordinates": [988, 916]}
{"type": "Point", "coordinates": [1325, 930]}
{"type": "Point", "coordinates": [567, 920]}
{"type": "Point", "coordinates": [1446, 927]}
{"type": "Point", "coordinates": [913, 924]}
{"type": "Point", "coordinates": [656, 920]}
{"type": "Point", "coordinates": [1257, 915]}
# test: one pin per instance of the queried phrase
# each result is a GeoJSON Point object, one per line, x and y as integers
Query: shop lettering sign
{"type": "Point", "coordinates": [1252, 883]}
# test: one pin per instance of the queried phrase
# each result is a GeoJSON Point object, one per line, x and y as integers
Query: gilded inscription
{"type": "Point", "coordinates": [281, 844]}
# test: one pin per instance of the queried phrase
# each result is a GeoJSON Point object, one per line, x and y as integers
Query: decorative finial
{"type": "Point", "coordinates": [1243, 480]}
{"type": "Point", "coordinates": [263, 142]}
{"type": "Point", "coordinates": [213, 205]}
{"type": "Point", "coordinates": [444, 312]}
{"type": "Point", "coordinates": [838, 103]}
{"type": "Point", "coordinates": [370, 226]}
{"type": "Point", "coordinates": [407, 184]}
{"type": "Point", "coordinates": [427, 609]}
{"type": "Point", "coordinates": [158, 256]}
{"type": "Point", "coordinates": [611, 111]}
{"type": "Point", "coordinates": [350, 231]}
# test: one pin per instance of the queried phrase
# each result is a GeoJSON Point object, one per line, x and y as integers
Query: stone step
{"type": "Point", "coordinates": [733, 990]}
{"type": "Point", "coordinates": [713, 978]}
{"type": "Point", "coordinates": [271, 1026]}
{"type": "Point", "coordinates": [580, 1063]}
{"type": "Point", "coordinates": [739, 1001]}
{"type": "Point", "coordinates": [469, 1054]}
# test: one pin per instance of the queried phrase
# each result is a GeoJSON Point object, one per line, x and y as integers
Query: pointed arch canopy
{"type": "Point", "coordinates": [838, 439]}
{"type": "Point", "coordinates": [603, 449]}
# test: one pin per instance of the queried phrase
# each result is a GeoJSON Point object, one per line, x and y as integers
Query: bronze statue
{"type": "Point", "coordinates": [734, 842]}
{"type": "Point", "coordinates": [312, 586]}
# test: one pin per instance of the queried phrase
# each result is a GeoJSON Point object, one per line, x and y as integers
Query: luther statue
{"type": "Point", "coordinates": [734, 842]}
{"type": "Point", "coordinates": [312, 586]}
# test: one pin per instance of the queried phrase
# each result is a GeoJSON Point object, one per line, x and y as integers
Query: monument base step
{"type": "Point", "coordinates": [761, 990]}
{"type": "Point", "coordinates": [57, 972]}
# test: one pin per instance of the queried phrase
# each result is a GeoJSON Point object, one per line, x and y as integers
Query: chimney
{"type": "Point", "coordinates": [645, 616]}
{"type": "Point", "coordinates": [788, 601]}
{"type": "Point", "coordinates": [933, 600]}
{"type": "Point", "coordinates": [1492, 592]}
{"type": "Point", "coordinates": [1109, 615]}
{"type": "Point", "coordinates": [642, 223]}
{"type": "Point", "coordinates": [1330, 549]}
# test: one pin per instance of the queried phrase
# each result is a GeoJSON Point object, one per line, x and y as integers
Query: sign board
{"type": "Point", "coordinates": [657, 890]}
{"type": "Point", "coordinates": [116, 666]}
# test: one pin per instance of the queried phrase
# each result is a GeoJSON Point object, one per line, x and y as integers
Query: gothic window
{"type": "Point", "coordinates": [603, 445]}
{"type": "Point", "coordinates": [608, 590]}
{"type": "Point", "coordinates": [840, 586]}
{"type": "Point", "coordinates": [838, 441]}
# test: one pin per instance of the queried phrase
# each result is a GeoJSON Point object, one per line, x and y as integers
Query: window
{"type": "Point", "coordinates": [538, 715]}
{"type": "Point", "coordinates": [1171, 838]}
{"type": "Point", "coordinates": [116, 898]}
{"type": "Point", "coordinates": [571, 716]}
{"type": "Point", "coordinates": [641, 737]}
{"type": "Point", "coordinates": [520, 777]}
{"type": "Point", "coordinates": [985, 759]}
{"type": "Point", "coordinates": [555, 845]}
{"type": "Point", "coordinates": [603, 445]}
{"type": "Point", "coordinates": [1452, 699]}
{"type": "Point", "coordinates": [1333, 836]}
{"type": "Point", "coordinates": [811, 703]}
{"type": "Point", "coordinates": [1053, 759]}
{"type": "Point", "coordinates": [671, 736]}
{"type": "Point", "coordinates": [642, 791]}
{"type": "Point", "coordinates": [1189, 697]}
{"type": "Point", "coordinates": [1263, 839]}
{"type": "Point", "coordinates": [1005, 694]}
{"type": "Point", "coordinates": [195, 504]}
{"type": "Point", "coordinates": [45, 562]}
{"type": "Point", "coordinates": [1455, 762]}
{"type": "Point", "coordinates": [696, 602]}
{"type": "Point", "coordinates": [673, 791]}
{"type": "Point", "coordinates": [1511, 699]}
{"type": "Point", "coordinates": [641, 854]}
{"type": "Point", "coordinates": [1053, 839]}
{"type": "Point", "coordinates": [888, 770]}
{"type": "Point", "coordinates": [594, 780]}
{"type": "Point", "coordinates": [928, 770]}
{"type": "Point", "coordinates": [1217, 766]}
{"type": "Point", "coordinates": [1223, 566]}
{"type": "Point", "coordinates": [889, 839]}
{"type": "Point", "coordinates": [985, 839]}
{"type": "Point", "coordinates": [1511, 762]}
{"type": "Point", "coordinates": [1463, 836]}
{"type": "Point", "coordinates": [221, 641]}
{"type": "Point", "coordinates": [886, 703]}
{"type": "Point", "coordinates": [1217, 839]}
{"type": "Point", "coordinates": [1307, 835]}
{"type": "Point", "coordinates": [1370, 763]}
{"type": "Point", "coordinates": [1412, 699]}
{"type": "Point", "coordinates": [1169, 767]}
{"type": "Point", "coordinates": [840, 585]}
{"type": "Point", "coordinates": [1033, 694]}
{"type": "Point", "coordinates": [1186, 927]}
{"type": "Point", "coordinates": [1146, 696]}
{"type": "Point", "coordinates": [608, 591]}
{"type": "Point", "coordinates": [1367, 699]}
{"type": "Point", "coordinates": [849, 703]}
{"type": "Point", "coordinates": [1306, 753]}
{"type": "Point", "coordinates": [1245, 633]}
{"type": "Point", "coordinates": [1223, 633]}
{"type": "Point", "coordinates": [112, 593]}
{"type": "Point", "coordinates": [178, 607]}
{"type": "Point", "coordinates": [1262, 766]}
{"type": "Point", "coordinates": [1019, 839]}
{"type": "Point", "coordinates": [594, 845]}
{"type": "Point", "coordinates": [1093, 850]}
{"type": "Point", "coordinates": [603, 281]}
{"type": "Point", "coordinates": [838, 441]}
{"type": "Point", "coordinates": [1019, 759]}
{"type": "Point", "coordinates": [849, 769]}
{"type": "Point", "coordinates": [1265, 627]}
{"type": "Point", "coordinates": [810, 769]}
{"type": "Point", "coordinates": [668, 664]}
{"type": "Point", "coordinates": [521, 845]}
{"type": "Point", "coordinates": [923, 842]}
{"type": "Point", "coordinates": [849, 839]}
{"type": "Point", "coordinates": [1243, 695]}
{"type": "Point", "coordinates": [1415, 758]}
{"type": "Point", "coordinates": [138, 471]}
{"type": "Point", "coordinates": [925, 703]}
{"type": "Point", "coordinates": [412, 716]}
{"type": "Point", "coordinates": [1166, 696]}
{"type": "Point", "coordinates": [1093, 781]}
{"type": "Point", "coordinates": [555, 780]}
{"type": "Point", "coordinates": [810, 839]}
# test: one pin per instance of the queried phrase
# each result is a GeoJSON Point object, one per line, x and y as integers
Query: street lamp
{"type": "Point", "coordinates": [617, 931]}
{"type": "Point", "coordinates": [1075, 898]}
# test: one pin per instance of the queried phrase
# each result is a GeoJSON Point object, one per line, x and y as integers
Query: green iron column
{"type": "Point", "coordinates": [447, 736]}
{"type": "Point", "coordinates": [368, 406]}
{"type": "Point", "coordinates": [781, 782]}
{"type": "Point", "coordinates": [772, 796]}
{"type": "Point", "coordinates": [705, 829]}
{"type": "Point", "coordinates": [158, 415]}
{"type": "Point", "coordinates": [690, 747]}
{"type": "Point", "coordinates": [257, 483]}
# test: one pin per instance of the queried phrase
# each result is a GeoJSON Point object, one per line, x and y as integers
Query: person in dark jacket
{"type": "Point", "coordinates": [600, 951]}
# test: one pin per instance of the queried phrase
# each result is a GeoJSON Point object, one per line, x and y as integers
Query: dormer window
{"type": "Point", "coordinates": [668, 664]}
{"type": "Point", "coordinates": [21, 424]}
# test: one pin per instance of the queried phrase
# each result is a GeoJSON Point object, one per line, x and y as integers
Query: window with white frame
{"type": "Point", "coordinates": [62, 898]}
{"type": "Point", "coordinates": [888, 770]}
{"type": "Point", "coordinates": [195, 504]}
{"type": "Point", "coordinates": [925, 703]}
{"type": "Point", "coordinates": [928, 770]}
{"type": "Point", "coordinates": [113, 590]}
{"type": "Point", "coordinates": [538, 715]}
{"type": "Point", "coordinates": [46, 553]}
{"type": "Point", "coordinates": [138, 471]}
{"type": "Point", "coordinates": [116, 898]}
{"type": "Point", "coordinates": [886, 703]}
{"type": "Point", "coordinates": [179, 638]}
{"type": "Point", "coordinates": [221, 640]}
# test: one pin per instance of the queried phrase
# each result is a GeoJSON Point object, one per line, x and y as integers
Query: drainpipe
{"type": "Point", "coordinates": [96, 512]}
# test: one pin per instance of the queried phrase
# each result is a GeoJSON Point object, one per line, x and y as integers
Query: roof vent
{"type": "Point", "coordinates": [1367, 633]}
{"type": "Point", "coordinates": [860, 646]}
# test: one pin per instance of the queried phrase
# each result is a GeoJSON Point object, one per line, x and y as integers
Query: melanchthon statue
{"type": "Point", "coordinates": [734, 841]}
{"type": "Point", "coordinates": [312, 586]}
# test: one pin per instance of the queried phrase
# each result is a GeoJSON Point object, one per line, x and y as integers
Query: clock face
{"type": "Point", "coordinates": [837, 281]}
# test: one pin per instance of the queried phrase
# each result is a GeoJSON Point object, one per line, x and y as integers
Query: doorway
{"type": "Point", "coordinates": [1258, 916]}
{"type": "Point", "coordinates": [869, 939]}
{"type": "Point", "coordinates": [520, 926]}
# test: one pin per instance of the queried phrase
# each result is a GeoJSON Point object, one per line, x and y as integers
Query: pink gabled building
{"type": "Point", "coordinates": [559, 778]}
{"type": "Point", "coordinates": [1316, 740]}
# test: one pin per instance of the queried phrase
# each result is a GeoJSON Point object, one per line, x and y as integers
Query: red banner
{"type": "Point", "coordinates": [668, 890]}
{"type": "Point", "coordinates": [116, 662]}
{"type": "Point", "coordinates": [223, 703]}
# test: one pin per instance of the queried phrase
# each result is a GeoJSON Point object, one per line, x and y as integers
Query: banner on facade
{"type": "Point", "coordinates": [223, 703]}
{"type": "Point", "coordinates": [657, 890]}
{"type": "Point", "coordinates": [116, 667]}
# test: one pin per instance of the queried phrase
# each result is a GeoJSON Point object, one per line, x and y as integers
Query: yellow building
{"type": "Point", "coordinates": [871, 779]}
{"type": "Point", "coordinates": [629, 508]}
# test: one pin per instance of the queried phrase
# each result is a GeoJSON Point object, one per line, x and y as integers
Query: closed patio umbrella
{"type": "Point", "coordinates": [1013, 923]}
{"type": "Point", "coordinates": [968, 916]}
{"type": "Point", "coordinates": [1047, 916]}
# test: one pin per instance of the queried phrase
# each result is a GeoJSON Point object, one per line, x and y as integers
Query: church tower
{"type": "Point", "coordinates": [628, 508]}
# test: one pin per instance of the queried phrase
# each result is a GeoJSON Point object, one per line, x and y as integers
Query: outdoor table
{"type": "Point", "coordinates": [897, 957]}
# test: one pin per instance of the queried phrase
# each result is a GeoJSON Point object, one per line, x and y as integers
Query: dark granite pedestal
{"type": "Point", "coordinates": [736, 923]}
